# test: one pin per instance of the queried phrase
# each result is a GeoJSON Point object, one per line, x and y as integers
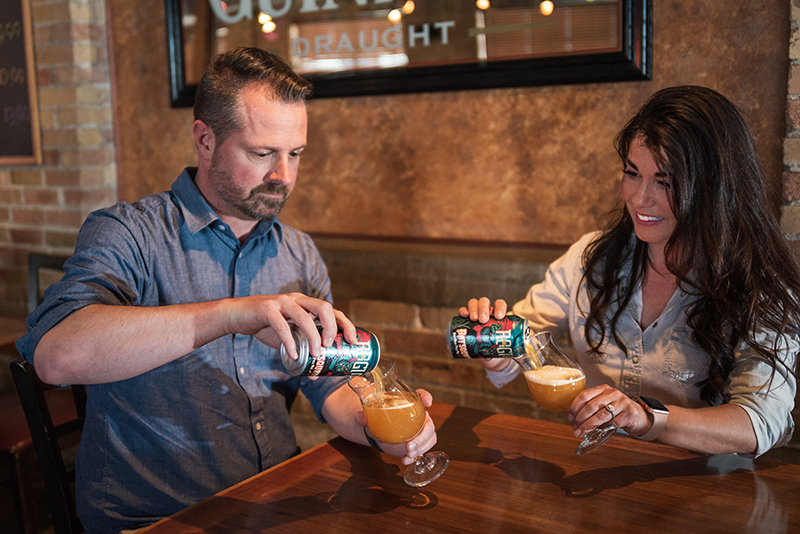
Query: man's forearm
{"type": "Point", "coordinates": [102, 343]}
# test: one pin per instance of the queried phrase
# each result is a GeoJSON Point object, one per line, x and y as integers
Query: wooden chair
{"type": "Point", "coordinates": [53, 426]}
{"type": "Point", "coordinates": [18, 467]}
{"type": "Point", "coordinates": [18, 461]}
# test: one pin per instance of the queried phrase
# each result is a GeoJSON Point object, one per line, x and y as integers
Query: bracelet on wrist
{"type": "Point", "coordinates": [372, 442]}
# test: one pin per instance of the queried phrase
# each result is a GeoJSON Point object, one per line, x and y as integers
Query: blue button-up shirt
{"type": "Point", "coordinates": [158, 442]}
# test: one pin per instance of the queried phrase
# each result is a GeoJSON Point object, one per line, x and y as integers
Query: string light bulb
{"type": "Point", "coordinates": [482, 4]}
{"type": "Point", "coordinates": [546, 7]}
{"type": "Point", "coordinates": [394, 15]}
{"type": "Point", "coordinates": [408, 7]}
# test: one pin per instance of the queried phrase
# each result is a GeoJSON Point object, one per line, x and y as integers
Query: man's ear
{"type": "Point", "coordinates": [203, 139]}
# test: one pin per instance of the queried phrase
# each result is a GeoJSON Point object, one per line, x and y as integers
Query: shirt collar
{"type": "Point", "coordinates": [199, 214]}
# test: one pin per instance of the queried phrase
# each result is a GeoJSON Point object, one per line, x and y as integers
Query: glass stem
{"type": "Point", "coordinates": [423, 463]}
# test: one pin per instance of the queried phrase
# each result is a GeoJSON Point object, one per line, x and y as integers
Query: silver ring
{"type": "Point", "coordinates": [610, 410]}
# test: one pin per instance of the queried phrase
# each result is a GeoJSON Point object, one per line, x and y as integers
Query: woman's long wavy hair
{"type": "Point", "coordinates": [727, 248]}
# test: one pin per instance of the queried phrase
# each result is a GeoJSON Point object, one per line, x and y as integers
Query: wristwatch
{"type": "Point", "coordinates": [659, 414]}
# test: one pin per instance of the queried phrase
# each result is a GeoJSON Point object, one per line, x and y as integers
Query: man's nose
{"type": "Point", "coordinates": [281, 171]}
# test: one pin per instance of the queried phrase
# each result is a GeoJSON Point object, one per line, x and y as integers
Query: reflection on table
{"type": "Point", "coordinates": [507, 474]}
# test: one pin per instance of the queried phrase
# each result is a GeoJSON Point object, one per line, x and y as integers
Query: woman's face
{"type": "Point", "coordinates": [646, 191]}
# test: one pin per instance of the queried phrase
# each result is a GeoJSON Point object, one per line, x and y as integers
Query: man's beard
{"type": "Point", "coordinates": [250, 205]}
{"type": "Point", "coordinates": [264, 208]}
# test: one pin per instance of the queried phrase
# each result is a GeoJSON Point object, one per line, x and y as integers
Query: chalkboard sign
{"type": "Point", "coordinates": [19, 124]}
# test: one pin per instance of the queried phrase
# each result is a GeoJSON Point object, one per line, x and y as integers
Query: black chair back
{"type": "Point", "coordinates": [36, 263]}
{"type": "Point", "coordinates": [58, 478]}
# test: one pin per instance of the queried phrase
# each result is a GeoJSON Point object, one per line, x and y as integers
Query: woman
{"type": "Point", "coordinates": [688, 297]}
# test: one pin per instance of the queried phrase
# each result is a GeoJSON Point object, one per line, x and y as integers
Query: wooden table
{"type": "Point", "coordinates": [507, 474]}
{"type": "Point", "coordinates": [10, 330]}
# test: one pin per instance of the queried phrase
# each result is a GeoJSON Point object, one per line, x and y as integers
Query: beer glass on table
{"type": "Point", "coordinates": [395, 414]}
{"type": "Point", "coordinates": [555, 380]}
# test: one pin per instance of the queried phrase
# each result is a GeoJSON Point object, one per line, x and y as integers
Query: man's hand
{"type": "Point", "coordinates": [270, 318]}
{"type": "Point", "coordinates": [422, 442]}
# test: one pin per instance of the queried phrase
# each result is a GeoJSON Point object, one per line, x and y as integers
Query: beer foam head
{"type": "Point", "coordinates": [554, 374]}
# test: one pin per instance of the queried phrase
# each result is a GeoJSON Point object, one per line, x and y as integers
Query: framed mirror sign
{"type": "Point", "coordinates": [369, 47]}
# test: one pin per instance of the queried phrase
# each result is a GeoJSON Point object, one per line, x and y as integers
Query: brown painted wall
{"type": "Point", "coordinates": [530, 165]}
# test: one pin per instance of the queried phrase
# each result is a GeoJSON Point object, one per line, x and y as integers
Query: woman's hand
{"type": "Point", "coordinates": [587, 412]}
{"type": "Point", "coordinates": [481, 310]}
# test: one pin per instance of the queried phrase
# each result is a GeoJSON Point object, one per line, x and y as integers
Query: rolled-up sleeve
{"type": "Point", "coordinates": [767, 397]}
{"type": "Point", "coordinates": [104, 270]}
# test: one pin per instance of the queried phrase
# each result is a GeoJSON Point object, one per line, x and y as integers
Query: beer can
{"type": "Point", "coordinates": [340, 359]}
{"type": "Point", "coordinates": [496, 338]}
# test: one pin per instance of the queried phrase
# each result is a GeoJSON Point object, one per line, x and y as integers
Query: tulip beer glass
{"type": "Point", "coordinates": [555, 380]}
{"type": "Point", "coordinates": [395, 414]}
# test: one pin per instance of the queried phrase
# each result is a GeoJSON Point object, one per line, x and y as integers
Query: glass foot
{"type": "Point", "coordinates": [426, 469]}
{"type": "Point", "coordinates": [595, 438]}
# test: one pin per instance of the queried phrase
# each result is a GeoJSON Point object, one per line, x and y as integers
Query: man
{"type": "Point", "coordinates": [172, 308]}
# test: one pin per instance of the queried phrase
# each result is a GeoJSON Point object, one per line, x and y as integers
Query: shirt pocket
{"type": "Point", "coordinates": [684, 362]}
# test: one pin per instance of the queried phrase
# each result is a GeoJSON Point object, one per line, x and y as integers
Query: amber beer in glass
{"type": "Point", "coordinates": [555, 380]}
{"type": "Point", "coordinates": [395, 419]}
{"type": "Point", "coordinates": [554, 387]}
{"type": "Point", "coordinates": [395, 414]}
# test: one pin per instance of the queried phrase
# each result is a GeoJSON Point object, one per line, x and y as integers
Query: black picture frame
{"type": "Point", "coordinates": [631, 63]}
{"type": "Point", "coordinates": [20, 137]}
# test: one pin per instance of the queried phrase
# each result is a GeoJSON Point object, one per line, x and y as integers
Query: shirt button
{"type": "Point", "coordinates": [221, 227]}
{"type": "Point", "coordinates": [655, 324]}
{"type": "Point", "coordinates": [258, 426]}
{"type": "Point", "coordinates": [241, 371]}
{"type": "Point", "coordinates": [635, 359]}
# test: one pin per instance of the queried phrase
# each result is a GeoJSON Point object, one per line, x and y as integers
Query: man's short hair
{"type": "Point", "coordinates": [217, 97]}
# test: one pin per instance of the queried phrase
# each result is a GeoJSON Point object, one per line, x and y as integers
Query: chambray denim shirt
{"type": "Point", "coordinates": [662, 360]}
{"type": "Point", "coordinates": [170, 437]}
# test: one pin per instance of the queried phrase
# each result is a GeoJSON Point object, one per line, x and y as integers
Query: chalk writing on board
{"type": "Point", "coordinates": [9, 31]}
{"type": "Point", "coordinates": [18, 117]}
{"type": "Point", "coordinates": [12, 76]}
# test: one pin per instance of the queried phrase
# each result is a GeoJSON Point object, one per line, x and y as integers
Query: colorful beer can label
{"type": "Point", "coordinates": [496, 338]}
{"type": "Point", "coordinates": [340, 359]}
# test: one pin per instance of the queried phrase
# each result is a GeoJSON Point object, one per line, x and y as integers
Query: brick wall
{"type": "Point", "coordinates": [790, 219]}
{"type": "Point", "coordinates": [42, 207]}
